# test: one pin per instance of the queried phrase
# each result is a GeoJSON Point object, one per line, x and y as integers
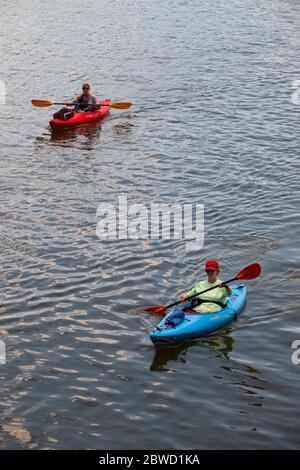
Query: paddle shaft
{"type": "Point", "coordinates": [74, 104]}
{"type": "Point", "coordinates": [199, 293]}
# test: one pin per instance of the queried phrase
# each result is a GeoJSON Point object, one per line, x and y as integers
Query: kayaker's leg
{"type": "Point", "coordinates": [69, 115]}
{"type": "Point", "coordinates": [59, 114]}
{"type": "Point", "coordinates": [64, 113]}
{"type": "Point", "coordinates": [207, 309]}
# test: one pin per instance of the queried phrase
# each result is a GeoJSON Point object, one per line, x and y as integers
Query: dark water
{"type": "Point", "coordinates": [213, 122]}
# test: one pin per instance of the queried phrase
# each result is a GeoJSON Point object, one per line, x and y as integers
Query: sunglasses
{"type": "Point", "coordinates": [85, 88]}
{"type": "Point", "coordinates": [210, 270]}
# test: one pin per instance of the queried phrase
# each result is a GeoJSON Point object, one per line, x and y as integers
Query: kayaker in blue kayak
{"type": "Point", "coordinates": [214, 300]}
{"type": "Point", "coordinates": [86, 102]}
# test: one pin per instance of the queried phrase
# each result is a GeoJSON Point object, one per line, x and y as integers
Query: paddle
{"type": "Point", "coordinates": [249, 272]}
{"type": "Point", "coordinates": [45, 104]}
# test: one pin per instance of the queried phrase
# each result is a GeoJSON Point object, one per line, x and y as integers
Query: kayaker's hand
{"type": "Point", "coordinates": [183, 297]}
{"type": "Point", "coordinates": [226, 286]}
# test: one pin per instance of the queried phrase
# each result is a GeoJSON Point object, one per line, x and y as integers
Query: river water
{"type": "Point", "coordinates": [214, 121]}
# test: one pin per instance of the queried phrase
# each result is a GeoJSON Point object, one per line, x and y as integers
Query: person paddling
{"type": "Point", "coordinates": [214, 300]}
{"type": "Point", "coordinates": [86, 102]}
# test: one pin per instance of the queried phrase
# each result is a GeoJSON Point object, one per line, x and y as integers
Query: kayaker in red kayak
{"type": "Point", "coordinates": [214, 300]}
{"type": "Point", "coordinates": [86, 102]}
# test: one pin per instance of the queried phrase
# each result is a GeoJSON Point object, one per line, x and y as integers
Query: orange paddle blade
{"type": "Point", "coordinates": [156, 309]}
{"type": "Point", "coordinates": [41, 103]}
{"type": "Point", "coordinates": [250, 272]}
{"type": "Point", "coordinates": [124, 105]}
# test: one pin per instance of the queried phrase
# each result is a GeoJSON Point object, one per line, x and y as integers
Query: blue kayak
{"type": "Point", "coordinates": [196, 324]}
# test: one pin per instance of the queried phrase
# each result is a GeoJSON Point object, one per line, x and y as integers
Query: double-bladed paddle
{"type": "Point", "coordinates": [249, 272]}
{"type": "Point", "coordinates": [45, 104]}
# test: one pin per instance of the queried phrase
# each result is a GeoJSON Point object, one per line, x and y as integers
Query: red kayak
{"type": "Point", "coordinates": [82, 118]}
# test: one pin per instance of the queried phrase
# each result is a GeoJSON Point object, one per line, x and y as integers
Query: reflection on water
{"type": "Point", "coordinates": [84, 136]}
{"type": "Point", "coordinates": [124, 128]}
{"type": "Point", "coordinates": [246, 379]}
{"type": "Point", "coordinates": [219, 344]}
{"type": "Point", "coordinates": [90, 132]}
{"type": "Point", "coordinates": [163, 356]}
{"type": "Point", "coordinates": [232, 373]}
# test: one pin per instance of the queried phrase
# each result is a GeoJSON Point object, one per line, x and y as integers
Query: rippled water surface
{"type": "Point", "coordinates": [213, 122]}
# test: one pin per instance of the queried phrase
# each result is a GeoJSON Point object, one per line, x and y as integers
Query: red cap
{"type": "Point", "coordinates": [211, 264]}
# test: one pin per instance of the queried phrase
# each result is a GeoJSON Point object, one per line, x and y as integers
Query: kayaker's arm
{"type": "Point", "coordinates": [184, 296]}
{"type": "Point", "coordinates": [73, 102]}
{"type": "Point", "coordinates": [95, 103]}
{"type": "Point", "coordinates": [226, 286]}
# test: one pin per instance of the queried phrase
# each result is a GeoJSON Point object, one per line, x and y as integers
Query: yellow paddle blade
{"type": "Point", "coordinates": [41, 103]}
{"type": "Point", "coordinates": [124, 105]}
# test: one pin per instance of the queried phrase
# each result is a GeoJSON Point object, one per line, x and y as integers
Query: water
{"type": "Point", "coordinates": [213, 122]}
